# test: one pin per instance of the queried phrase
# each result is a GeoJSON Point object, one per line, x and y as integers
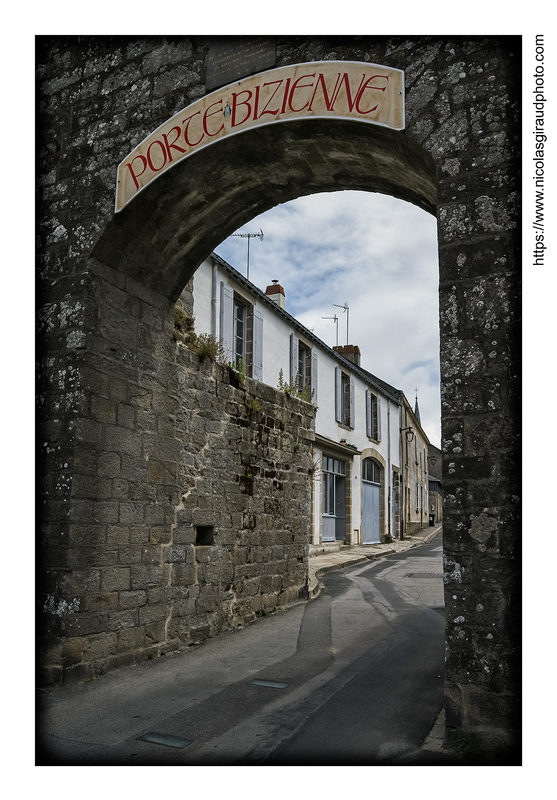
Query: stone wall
{"type": "Point", "coordinates": [109, 440]}
{"type": "Point", "coordinates": [183, 508]}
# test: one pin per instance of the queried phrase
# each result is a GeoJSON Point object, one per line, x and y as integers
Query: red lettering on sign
{"type": "Point", "coordinates": [362, 89]}
{"type": "Point", "coordinates": [149, 160]}
{"type": "Point", "coordinates": [188, 121]}
{"type": "Point", "coordinates": [339, 93]}
{"type": "Point", "coordinates": [256, 102]}
{"type": "Point", "coordinates": [236, 104]}
{"type": "Point", "coordinates": [295, 87]}
{"type": "Point", "coordinates": [285, 98]}
{"type": "Point", "coordinates": [136, 175]}
{"type": "Point", "coordinates": [346, 82]}
{"type": "Point", "coordinates": [273, 112]}
{"type": "Point", "coordinates": [211, 114]}
{"type": "Point", "coordinates": [328, 101]}
{"type": "Point", "coordinates": [173, 143]}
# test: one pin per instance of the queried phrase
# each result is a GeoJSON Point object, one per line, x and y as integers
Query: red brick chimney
{"type": "Point", "coordinates": [351, 352]}
{"type": "Point", "coordinates": [276, 292]}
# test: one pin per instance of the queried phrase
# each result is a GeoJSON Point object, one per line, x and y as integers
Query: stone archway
{"type": "Point", "coordinates": [165, 233]}
{"type": "Point", "coordinates": [111, 454]}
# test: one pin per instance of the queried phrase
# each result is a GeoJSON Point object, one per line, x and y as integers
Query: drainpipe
{"type": "Point", "coordinates": [214, 304]}
{"type": "Point", "coordinates": [389, 495]}
{"type": "Point", "coordinates": [403, 481]}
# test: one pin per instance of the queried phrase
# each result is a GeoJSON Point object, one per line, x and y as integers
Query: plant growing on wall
{"type": "Point", "coordinates": [183, 325]}
{"type": "Point", "coordinates": [293, 389]}
{"type": "Point", "coordinates": [252, 406]}
{"type": "Point", "coordinates": [238, 371]}
{"type": "Point", "coordinates": [206, 346]}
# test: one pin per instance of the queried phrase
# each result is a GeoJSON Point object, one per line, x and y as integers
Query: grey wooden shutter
{"type": "Point", "coordinates": [352, 404]}
{"type": "Point", "coordinates": [369, 414]}
{"type": "Point", "coordinates": [257, 363]}
{"type": "Point", "coordinates": [338, 395]}
{"type": "Point", "coordinates": [293, 357]}
{"type": "Point", "coordinates": [378, 431]}
{"type": "Point", "coordinates": [227, 320]}
{"type": "Point", "coordinates": [314, 376]}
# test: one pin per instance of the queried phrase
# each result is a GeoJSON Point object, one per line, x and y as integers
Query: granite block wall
{"type": "Point", "coordinates": [111, 419]}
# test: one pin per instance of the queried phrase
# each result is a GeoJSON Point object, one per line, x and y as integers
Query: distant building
{"type": "Point", "coordinates": [414, 447]}
{"type": "Point", "coordinates": [435, 479]}
{"type": "Point", "coordinates": [370, 451]}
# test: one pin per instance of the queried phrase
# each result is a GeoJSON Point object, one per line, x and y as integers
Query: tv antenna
{"type": "Point", "coordinates": [249, 236]}
{"type": "Point", "coordinates": [345, 307]}
{"type": "Point", "coordinates": [335, 318]}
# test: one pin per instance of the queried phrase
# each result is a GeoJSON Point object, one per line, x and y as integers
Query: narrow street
{"type": "Point", "coordinates": [352, 677]}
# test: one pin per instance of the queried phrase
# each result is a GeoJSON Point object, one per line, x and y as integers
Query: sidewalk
{"type": "Point", "coordinates": [326, 562]}
{"type": "Point", "coordinates": [101, 722]}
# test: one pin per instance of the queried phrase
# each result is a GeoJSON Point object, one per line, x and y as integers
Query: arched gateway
{"type": "Point", "coordinates": [156, 485]}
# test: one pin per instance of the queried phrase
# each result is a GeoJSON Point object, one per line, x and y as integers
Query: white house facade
{"type": "Point", "coordinates": [359, 478]}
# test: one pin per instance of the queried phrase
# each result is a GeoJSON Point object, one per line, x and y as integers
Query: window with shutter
{"type": "Point", "coordinates": [240, 320]}
{"type": "Point", "coordinates": [241, 331]}
{"type": "Point", "coordinates": [257, 354]}
{"type": "Point", "coordinates": [344, 399]}
{"type": "Point", "coordinates": [314, 376]}
{"type": "Point", "coordinates": [227, 320]}
{"type": "Point", "coordinates": [373, 416]}
{"type": "Point", "coordinates": [294, 343]}
{"type": "Point", "coordinates": [338, 395]}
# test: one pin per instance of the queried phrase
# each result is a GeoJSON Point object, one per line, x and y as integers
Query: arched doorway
{"type": "Point", "coordinates": [108, 284]}
{"type": "Point", "coordinates": [371, 501]}
{"type": "Point", "coordinates": [162, 236]}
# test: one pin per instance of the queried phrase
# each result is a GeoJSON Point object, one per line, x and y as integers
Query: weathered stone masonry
{"type": "Point", "coordinates": [185, 509]}
{"type": "Point", "coordinates": [111, 429]}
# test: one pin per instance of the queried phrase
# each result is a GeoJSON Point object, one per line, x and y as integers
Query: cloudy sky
{"type": "Point", "coordinates": [373, 252]}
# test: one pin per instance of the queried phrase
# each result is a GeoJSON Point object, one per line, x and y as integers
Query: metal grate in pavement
{"type": "Point", "coordinates": [164, 739]}
{"type": "Point", "coordinates": [272, 684]}
{"type": "Point", "coordinates": [424, 575]}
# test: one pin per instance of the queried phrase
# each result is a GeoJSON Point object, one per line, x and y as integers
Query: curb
{"type": "Point", "coordinates": [314, 586]}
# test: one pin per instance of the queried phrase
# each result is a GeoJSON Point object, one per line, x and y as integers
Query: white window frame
{"type": "Point", "coordinates": [241, 317]}
{"type": "Point", "coordinates": [295, 377]}
{"type": "Point", "coordinates": [230, 303]}
{"type": "Point", "coordinates": [345, 413]}
{"type": "Point", "coordinates": [373, 416]}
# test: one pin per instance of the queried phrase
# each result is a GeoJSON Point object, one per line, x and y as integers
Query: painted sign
{"type": "Point", "coordinates": [231, 59]}
{"type": "Point", "coordinates": [330, 89]}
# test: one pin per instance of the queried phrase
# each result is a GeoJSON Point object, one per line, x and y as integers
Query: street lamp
{"type": "Point", "coordinates": [409, 433]}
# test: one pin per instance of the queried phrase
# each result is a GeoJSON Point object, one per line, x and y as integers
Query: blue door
{"type": "Point", "coordinates": [371, 502]}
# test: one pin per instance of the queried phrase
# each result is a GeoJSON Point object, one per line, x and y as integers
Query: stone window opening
{"type": "Point", "coordinates": [204, 535]}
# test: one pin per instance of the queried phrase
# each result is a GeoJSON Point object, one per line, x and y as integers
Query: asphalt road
{"type": "Point", "coordinates": [387, 707]}
{"type": "Point", "coordinates": [353, 677]}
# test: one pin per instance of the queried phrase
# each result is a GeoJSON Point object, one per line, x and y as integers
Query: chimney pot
{"type": "Point", "coordinates": [351, 352]}
{"type": "Point", "coordinates": [275, 292]}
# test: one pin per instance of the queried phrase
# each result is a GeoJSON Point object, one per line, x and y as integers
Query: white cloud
{"type": "Point", "coordinates": [373, 252]}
